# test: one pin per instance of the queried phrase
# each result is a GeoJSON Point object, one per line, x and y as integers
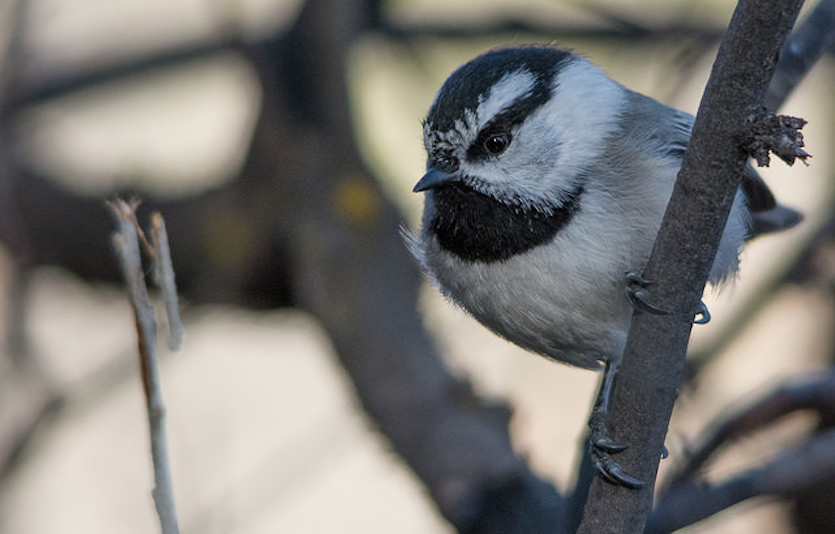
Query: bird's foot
{"type": "Point", "coordinates": [702, 314]}
{"type": "Point", "coordinates": [636, 291]}
{"type": "Point", "coordinates": [602, 448]}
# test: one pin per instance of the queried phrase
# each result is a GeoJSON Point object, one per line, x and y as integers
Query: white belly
{"type": "Point", "coordinates": [552, 300]}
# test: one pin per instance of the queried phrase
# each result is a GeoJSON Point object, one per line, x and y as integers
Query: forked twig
{"type": "Point", "coordinates": [815, 392]}
{"type": "Point", "coordinates": [164, 278]}
{"type": "Point", "coordinates": [126, 245]}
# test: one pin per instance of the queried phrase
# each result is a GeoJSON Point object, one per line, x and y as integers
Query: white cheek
{"type": "Point", "coordinates": [526, 172]}
{"type": "Point", "coordinates": [586, 106]}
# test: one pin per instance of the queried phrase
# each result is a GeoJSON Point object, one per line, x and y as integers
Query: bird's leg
{"type": "Point", "coordinates": [601, 446]}
{"type": "Point", "coordinates": [636, 291]}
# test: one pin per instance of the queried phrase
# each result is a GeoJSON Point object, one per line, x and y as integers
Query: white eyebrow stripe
{"type": "Point", "coordinates": [506, 91]}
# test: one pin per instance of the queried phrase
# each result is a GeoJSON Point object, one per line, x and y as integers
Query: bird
{"type": "Point", "coordinates": [545, 185]}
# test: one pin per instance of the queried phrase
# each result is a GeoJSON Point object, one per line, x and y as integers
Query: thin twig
{"type": "Point", "coordinates": [126, 245]}
{"type": "Point", "coordinates": [164, 278]}
{"type": "Point", "coordinates": [607, 28]}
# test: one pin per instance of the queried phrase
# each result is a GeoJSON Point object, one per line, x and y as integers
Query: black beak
{"type": "Point", "coordinates": [432, 178]}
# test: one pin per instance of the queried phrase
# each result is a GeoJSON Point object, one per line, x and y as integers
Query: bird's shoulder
{"type": "Point", "coordinates": [667, 130]}
{"type": "Point", "coordinates": [658, 127]}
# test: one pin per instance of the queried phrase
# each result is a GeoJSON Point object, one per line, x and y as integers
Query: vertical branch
{"type": "Point", "coordinates": [164, 278]}
{"type": "Point", "coordinates": [126, 244]}
{"type": "Point", "coordinates": [681, 259]}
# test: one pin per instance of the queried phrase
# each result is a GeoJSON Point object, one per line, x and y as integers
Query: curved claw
{"type": "Point", "coordinates": [612, 472]}
{"type": "Point", "coordinates": [638, 297]}
{"type": "Point", "coordinates": [640, 301]}
{"type": "Point", "coordinates": [602, 447]}
{"type": "Point", "coordinates": [703, 312]}
{"type": "Point", "coordinates": [607, 445]}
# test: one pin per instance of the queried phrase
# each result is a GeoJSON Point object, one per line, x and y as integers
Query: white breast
{"type": "Point", "coordinates": [565, 300]}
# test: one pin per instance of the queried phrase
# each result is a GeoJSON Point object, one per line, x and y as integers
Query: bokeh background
{"type": "Point", "coordinates": [267, 434]}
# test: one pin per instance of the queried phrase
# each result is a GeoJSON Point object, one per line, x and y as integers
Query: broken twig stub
{"type": "Point", "coordinates": [777, 134]}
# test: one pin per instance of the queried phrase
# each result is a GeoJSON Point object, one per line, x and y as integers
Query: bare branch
{"type": "Point", "coordinates": [653, 361]}
{"type": "Point", "coordinates": [814, 392]}
{"type": "Point", "coordinates": [608, 28]}
{"type": "Point", "coordinates": [126, 245]}
{"type": "Point", "coordinates": [795, 469]}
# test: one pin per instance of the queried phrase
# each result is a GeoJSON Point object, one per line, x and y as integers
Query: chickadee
{"type": "Point", "coordinates": [546, 182]}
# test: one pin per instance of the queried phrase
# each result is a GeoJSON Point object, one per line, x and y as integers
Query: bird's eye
{"type": "Point", "coordinates": [497, 143]}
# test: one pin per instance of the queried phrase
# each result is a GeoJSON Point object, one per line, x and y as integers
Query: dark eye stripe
{"type": "Point", "coordinates": [509, 119]}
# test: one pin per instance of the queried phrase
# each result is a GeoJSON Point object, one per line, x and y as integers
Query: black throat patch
{"type": "Point", "coordinates": [478, 228]}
